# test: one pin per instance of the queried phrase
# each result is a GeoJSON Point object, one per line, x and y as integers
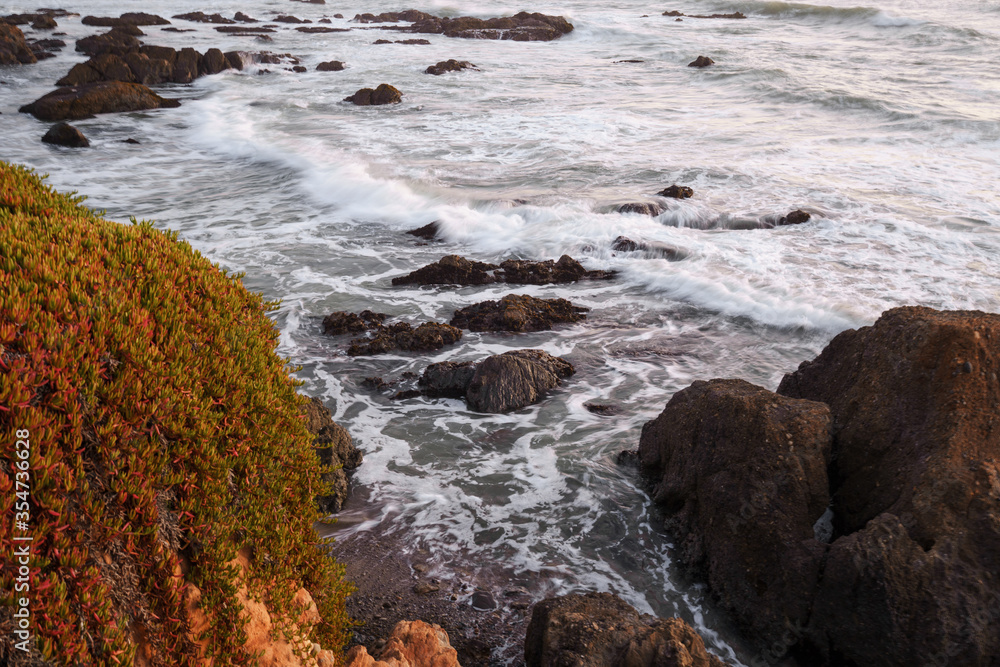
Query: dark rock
{"type": "Point", "coordinates": [119, 40]}
{"type": "Point", "coordinates": [483, 601]}
{"type": "Point", "coordinates": [643, 208]}
{"type": "Point", "coordinates": [382, 41]}
{"type": "Point", "coordinates": [235, 59]}
{"type": "Point", "coordinates": [447, 379]}
{"type": "Point", "coordinates": [149, 66]}
{"type": "Point", "coordinates": [102, 67]}
{"type": "Point", "coordinates": [522, 27]}
{"type": "Point", "coordinates": [14, 49]}
{"type": "Point", "coordinates": [652, 249]}
{"type": "Point", "coordinates": [243, 30]}
{"type": "Point", "coordinates": [565, 270]}
{"type": "Point", "coordinates": [519, 313]}
{"type": "Point", "coordinates": [340, 322]}
{"type": "Point", "coordinates": [423, 588]}
{"type": "Point", "coordinates": [324, 20]}
{"type": "Point", "coordinates": [384, 94]}
{"type": "Point", "coordinates": [75, 102]}
{"type": "Point", "coordinates": [128, 18]}
{"type": "Point", "coordinates": [406, 394]}
{"type": "Point", "coordinates": [335, 450]}
{"type": "Point", "coordinates": [299, 69]}
{"type": "Point", "coordinates": [338, 16]}
{"type": "Point", "coordinates": [618, 62]}
{"type": "Point", "coordinates": [289, 19]}
{"type": "Point", "coordinates": [130, 141]}
{"type": "Point", "coordinates": [734, 15]}
{"type": "Point", "coordinates": [796, 217]}
{"type": "Point", "coordinates": [376, 383]}
{"type": "Point", "coordinates": [449, 66]}
{"type": "Point", "coordinates": [320, 29]}
{"type": "Point", "coordinates": [172, 29]}
{"type": "Point", "coordinates": [402, 336]}
{"type": "Point", "coordinates": [312, 2]}
{"type": "Point", "coordinates": [64, 134]}
{"type": "Point", "coordinates": [410, 15]}
{"type": "Point", "coordinates": [44, 22]}
{"type": "Point", "coordinates": [913, 577]}
{"type": "Point", "coordinates": [605, 409]}
{"type": "Point", "coordinates": [628, 457]}
{"type": "Point", "coordinates": [202, 17]}
{"type": "Point", "coordinates": [243, 18]}
{"type": "Point", "coordinates": [186, 66]}
{"type": "Point", "coordinates": [429, 231]}
{"type": "Point", "coordinates": [701, 61]}
{"type": "Point", "coordinates": [676, 192]}
{"type": "Point", "coordinates": [450, 270]}
{"type": "Point", "coordinates": [417, 42]}
{"type": "Point", "coordinates": [741, 473]}
{"type": "Point", "coordinates": [602, 630]}
{"type": "Point", "coordinates": [330, 66]}
{"type": "Point", "coordinates": [48, 44]}
{"type": "Point", "coordinates": [212, 62]}
{"type": "Point", "coordinates": [513, 380]}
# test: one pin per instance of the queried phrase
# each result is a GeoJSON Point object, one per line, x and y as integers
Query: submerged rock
{"type": "Point", "coordinates": [457, 270]}
{"type": "Point", "coordinates": [128, 18]}
{"type": "Point", "coordinates": [447, 379]}
{"type": "Point", "coordinates": [75, 102]}
{"type": "Point", "coordinates": [701, 61]}
{"type": "Point", "coordinates": [521, 27]}
{"type": "Point", "coordinates": [64, 134]}
{"type": "Point", "coordinates": [384, 94]}
{"type": "Point", "coordinates": [643, 208]}
{"type": "Point", "coordinates": [796, 217]}
{"type": "Point", "coordinates": [429, 231]}
{"type": "Point", "coordinates": [14, 49]}
{"type": "Point", "coordinates": [330, 66]}
{"type": "Point", "coordinates": [602, 630]}
{"type": "Point", "coordinates": [518, 313]}
{"type": "Point", "coordinates": [653, 249]}
{"type": "Point", "coordinates": [334, 448]}
{"type": "Point", "coordinates": [564, 270]}
{"type": "Point", "coordinates": [449, 66]}
{"type": "Point", "coordinates": [676, 192]}
{"type": "Point", "coordinates": [450, 270]}
{"type": "Point", "coordinates": [202, 17]}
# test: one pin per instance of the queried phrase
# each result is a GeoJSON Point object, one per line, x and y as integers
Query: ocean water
{"type": "Point", "coordinates": [882, 120]}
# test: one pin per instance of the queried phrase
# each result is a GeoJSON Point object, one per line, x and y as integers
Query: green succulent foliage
{"type": "Point", "coordinates": [166, 434]}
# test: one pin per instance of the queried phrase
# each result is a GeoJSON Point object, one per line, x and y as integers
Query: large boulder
{"type": "Point", "coordinates": [521, 27]}
{"type": "Point", "coordinates": [76, 102]}
{"type": "Point", "coordinates": [741, 472]}
{"type": "Point", "coordinates": [518, 313]}
{"type": "Point", "coordinates": [335, 450]}
{"type": "Point", "coordinates": [602, 630]}
{"type": "Point", "coordinates": [412, 644]}
{"type": "Point", "coordinates": [119, 40]}
{"type": "Point", "coordinates": [564, 270]}
{"type": "Point", "coordinates": [914, 577]}
{"type": "Point", "coordinates": [128, 18]}
{"type": "Point", "coordinates": [450, 270]}
{"type": "Point", "coordinates": [64, 134]}
{"type": "Point", "coordinates": [384, 94]}
{"type": "Point", "coordinates": [14, 49]}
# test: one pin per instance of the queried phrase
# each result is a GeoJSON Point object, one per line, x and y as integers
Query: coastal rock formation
{"type": "Point", "coordinates": [289, 19]}
{"type": "Point", "coordinates": [64, 134]}
{"type": "Point", "coordinates": [457, 270]}
{"type": "Point", "coordinates": [643, 208]}
{"type": "Point", "coordinates": [76, 102]}
{"type": "Point", "coordinates": [734, 15]}
{"type": "Point", "coordinates": [451, 65]}
{"type": "Point", "coordinates": [128, 18]}
{"type": "Point", "coordinates": [202, 17]}
{"type": "Point", "coordinates": [340, 322]}
{"type": "Point", "coordinates": [243, 18]}
{"type": "Point", "coordinates": [522, 27]}
{"type": "Point", "coordinates": [384, 94]}
{"type": "Point", "coordinates": [330, 66]}
{"type": "Point", "coordinates": [429, 231]}
{"type": "Point", "coordinates": [148, 65]}
{"type": "Point", "coordinates": [518, 313]}
{"type": "Point", "coordinates": [412, 644]}
{"type": "Point", "coordinates": [701, 61]}
{"type": "Point", "coordinates": [653, 249]}
{"type": "Point", "coordinates": [119, 40]}
{"type": "Point", "coordinates": [676, 192]}
{"type": "Point", "coordinates": [14, 49]}
{"type": "Point", "coordinates": [500, 383]}
{"type": "Point", "coordinates": [741, 472]}
{"type": "Point", "coordinates": [796, 217]}
{"type": "Point", "coordinates": [402, 336]}
{"type": "Point", "coordinates": [602, 630]}
{"type": "Point", "coordinates": [335, 450]}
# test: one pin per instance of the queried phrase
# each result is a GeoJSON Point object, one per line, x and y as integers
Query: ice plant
{"type": "Point", "coordinates": [166, 435]}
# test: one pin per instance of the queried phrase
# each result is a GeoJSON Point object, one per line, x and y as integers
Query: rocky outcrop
{"type": "Point", "coordinates": [335, 450]}
{"type": "Point", "coordinates": [796, 217]}
{"type": "Point", "coordinates": [652, 249]}
{"type": "Point", "coordinates": [128, 18]}
{"type": "Point", "coordinates": [602, 630]}
{"type": "Point", "coordinates": [518, 313]}
{"type": "Point", "coordinates": [76, 102]}
{"type": "Point", "coordinates": [330, 66]}
{"type": "Point", "coordinates": [340, 322]}
{"type": "Point", "coordinates": [64, 134]}
{"type": "Point", "coordinates": [643, 208]}
{"type": "Point", "coordinates": [412, 644]}
{"type": "Point", "coordinates": [676, 192]}
{"type": "Point", "coordinates": [384, 94]}
{"type": "Point", "coordinates": [430, 231]}
{"type": "Point", "coordinates": [501, 383]}
{"type": "Point", "coordinates": [119, 40]}
{"type": "Point", "coordinates": [289, 19]}
{"type": "Point", "coordinates": [701, 61]}
{"type": "Point", "coordinates": [148, 65]}
{"type": "Point", "coordinates": [457, 270]}
{"type": "Point", "coordinates": [243, 18]}
{"type": "Point", "coordinates": [521, 27]}
{"type": "Point", "coordinates": [741, 472]}
{"type": "Point", "coordinates": [734, 15]}
{"type": "Point", "coordinates": [451, 65]}
{"type": "Point", "coordinates": [388, 337]}
{"type": "Point", "coordinates": [14, 49]}
{"type": "Point", "coordinates": [202, 17]}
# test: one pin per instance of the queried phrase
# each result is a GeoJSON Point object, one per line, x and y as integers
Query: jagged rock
{"type": "Point", "coordinates": [741, 474]}
{"type": "Point", "coordinates": [796, 217]}
{"type": "Point", "coordinates": [382, 41]}
{"type": "Point", "coordinates": [334, 448]}
{"type": "Point", "coordinates": [410, 15]}
{"type": "Point", "coordinates": [449, 66]}
{"type": "Point", "coordinates": [412, 644]}
{"type": "Point", "coordinates": [14, 49]}
{"type": "Point", "coordinates": [75, 102]}
{"type": "Point", "coordinates": [213, 62]}
{"type": "Point", "coordinates": [289, 19]}
{"type": "Point", "coordinates": [340, 322]}
{"type": "Point", "coordinates": [447, 379]}
{"type": "Point", "coordinates": [701, 61]}
{"type": "Point", "coordinates": [651, 249]}
{"type": "Point", "coordinates": [734, 15]}
{"type": "Point", "coordinates": [402, 336]}
{"type": "Point", "coordinates": [243, 18]}
{"type": "Point", "coordinates": [384, 94]}
{"type": "Point", "coordinates": [450, 270]}
{"type": "Point", "coordinates": [185, 66]}
{"type": "Point", "coordinates": [422, 42]}
{"type": "Point", "coordinates": [564, 270]}
{"type": "Point", "coordinates": [643, 208]}
{"type": "Point", "coordinates": [330, 66]}
{"type": "Point", "coordinates": [457, 270]}
{"type": "Point", "coordinates": [676, 192]}
{"type": "Point", "coordinates": [44, 22]}
{"type": "Point", "coordinates": [64, 134]}
{"type": "Point", "coordinates": [119, 40]}
{"type": "Point", "coordinates": [602, 630]}
{"type": "Point", "coordinates": [243, 30]}
{"type": "Point", "coordinates": [320, 29]}
{"type": "Point", "coordinates": [513, 380]}
{"type": "Point", "coordinates": [429, 231]}
{"type": "Point", "coordinates": [522, 27]}
{"type": "Point", "coordinates": [128, 18]}
{"type": "Point", "coordinates": [202, 17]}
{"type": "Point", "coordinates": [603, 409]}
{"type": "Point", "coordinates": [519, 313]}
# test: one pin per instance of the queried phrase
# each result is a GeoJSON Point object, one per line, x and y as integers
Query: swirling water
{"type": "Point", "coordinates": [881, 120]}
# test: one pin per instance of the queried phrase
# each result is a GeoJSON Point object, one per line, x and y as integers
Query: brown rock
{"type": "Point", "coordinates": [185, 68]}
{"type": "Point", "coordinates": [517, 312]}
{"type": "Point", "coordinates": [420, 42]}
{"type": "Point", "coordinates": [243, 30]}
{"type": "Point", "coordinates": [320, 29]}
{"type": "Point", "coordinates": [565, 270]}
{"type": "Point", "coordinates": [449, 66]}
{"type": "Point", "coordinates": [410, 15]}
{"type": "Point", "coordinates": [653, 249]}
{"type": "Point", "coordinates": [75, 102]}
{"type": "Point", "coordinates": [602, 630]}
{"type": "Point", "coordinates": [64, 134]}
{"type": "Point", "coordinates": [44, 22]}
{"type": "Point", "coordinates": [513, 380]}
{"type": "Point", "coordinates": [447, 379]}
{"type": "Point", "coordinates": [335, 450]}
{"type": "Point", "coordinates": [522, 27]}
{"type": "Point", "coordinates": [676, 192]}
{"type": "Point", "coordinates": [429, 231]}
{"type": "Point", "coordinates": [212, 62]}
{"type": "Point", "coordinates": [741, 474]}
{"type": "Point", "coordinates": [243, 18]}
{"type": "Point", "coordinates": [149, 70]}
{"type": "Point", "coordinates": [412, 644]}
{"type": "Point", "coordinates": [701, 61]}
{"type": "Point", "coordinates": [14, 49]}
{"type": "Point", "coordinates": [128, 18]}
{"type": "Point", "coordinates": [402, 336]}
{"type": "Point", "coordinates": [235, 59]}
{"type": "Point", "coordinates": [119, 40]}
{"type": "Point", "coordinates": [796, 217]}
{"type": "Point", "coordinates": [450, 270]}
{"type": "Point", "coordinates": [384, 94]}
{"type": "Point", "coordinates": [340, 322]}
{"type": "Point", "coordinates": [643, 208]}
{"type": "Point", "coordinates": [202, 17]}
{"type": "Point", "coordinates": [330, 66]}
{"type": "Point", "coordinates": [289, 19]}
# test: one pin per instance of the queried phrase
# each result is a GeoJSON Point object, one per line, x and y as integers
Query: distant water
{"type": "Point", "coordinates": [881, 120]}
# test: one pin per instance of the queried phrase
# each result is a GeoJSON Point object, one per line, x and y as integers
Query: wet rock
{"type": "Point", "coordinates": [522, 27]}
{"type": "Point", "coordinates": [128, 18]}
{"type": "Point", "coordinates": [429, 231]}
{"type": "Point", "coordinates": [513, 380]}
{"type": "Point", "coordinates": [185, 68]}
{"type": "Point", "coordinates": [450, 270]}
{"type": "Point", "coordinates": [619, 62]}
{"type": "Point", "coordinates": [338, 16]}
{"type": "Point", "coordinates": [423, 588]}
{"type": "Point", "coordinates": [376, 383]}
{"type": "Point", "coordinates": [741, 473]}
{"type": "Point", "coordinates": [412, 644]}
{"type": "Point", "coordinates": [44, 22]}
{"type": "Point", "coordinates": [384, 94]}
{"type": "Point", "coordinates": [325, 20]}
{"type": "Point", "coordinates": [796, 217]}
{"type": "Point", "coordinates": [676, 192]}
{"type": "Point", "coordinates": [604, 409]}
{"type": "Point", "coordinates": [483, 601]}
{"type": "Point", "coordinates": [602, 630]}
{"type": "Point", "coordinates": [449, 66]}
{"type": "Point", "coordinates": [64, 134]}
{"type": "Point", "coordinates": [75, 102]}
{"type": "Point", "coordinates": [402, 336]}
{"type": "Point", "coordinates": [235, 59]}
{"type": "Point", "coordinates": [628, 457]}
{"type": "Point", "coordinates": [172, 29]}
{"type": "Point", "coordinates": [130, 140]}
{"type": "Point", "coordinates": [734, 15]}
{"type": "Point", "coordinates": [410, 15]}
{"type": "Point", "coordinates": [47, 45]}
{"type": "Point", "coordinates": [643, 208]}
{"type": "Point", "coordinates": [330, 66]}
{"type": "Point", "coordinates": [332, 444]}
{"type": "Point", "coordinates": [340, 322]}
{"type": "Point", "coordinates": [447, 379]}
{"type": "Point", "coordinates": [420, 42]}
{"type": "Point", "coordinates": [243, 18]}
{"type": "Point", "coordinates": [650, 248]}
{"type": "Point", "coordinates": [14, 49]}
{"type": "Point", "coordinates": [242, 30]}
{"type": "Point", "coordinates": [213, 62]}
{"type": "Point", "coordinates": [103, 67]}
{"type": "Point", "coordinates": [564, 270]}
{"type": "Point", "coordinates": [312, 2]}
{"type": "Point", "coordinates": [406, 394]}
{"type": "Point", "coordinates": [912, 575]}
{"type": "Point", "coordinates": [289, 19]}
{"type": "Point", "coordinates": [518, 313]}
{"type": "Point", "coordinates": [320, 29]}
{"type": "Point", "coordinates": [119, 40]}
{"type": "Point", "coordinates": [701, 61]}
